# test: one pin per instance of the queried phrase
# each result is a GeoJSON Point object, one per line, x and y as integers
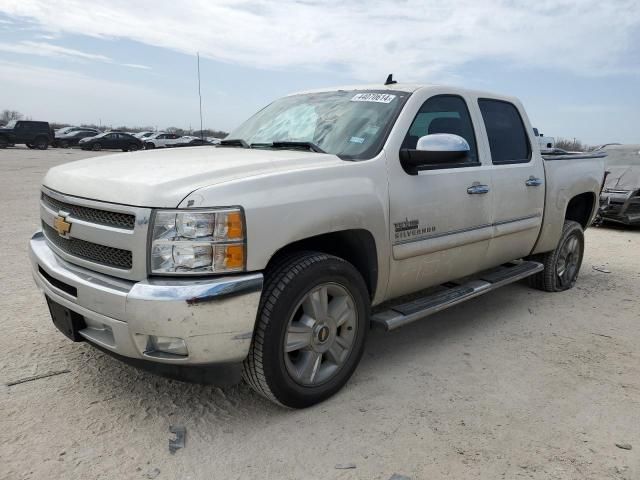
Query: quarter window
{"type": "Point", "coordinates": [508, 138]}
{"type": "Point", "coordinates": [443, 114]}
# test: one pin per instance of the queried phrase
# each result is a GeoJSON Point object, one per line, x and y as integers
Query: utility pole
{"type": "Point", "coordinates": [200, 98]}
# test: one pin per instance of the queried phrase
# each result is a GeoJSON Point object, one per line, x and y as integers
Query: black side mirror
{"type": "Point", "coordinates": [438, 150]}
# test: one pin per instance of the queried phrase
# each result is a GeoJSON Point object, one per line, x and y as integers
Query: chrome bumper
{"type": "Point", "coordinates": [215, 317]}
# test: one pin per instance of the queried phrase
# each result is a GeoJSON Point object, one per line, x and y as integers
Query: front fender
{"type": "Point", "coordinates": [285, 207]}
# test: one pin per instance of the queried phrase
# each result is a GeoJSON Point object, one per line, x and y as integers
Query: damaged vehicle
{"type": "Point", "coordinates": [270, 256]}
{"type": "Point", "coordinates": [620, 198]}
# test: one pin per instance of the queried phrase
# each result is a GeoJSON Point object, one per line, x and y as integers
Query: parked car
{"type": "Point", "coordinates": [111, 140]}
{"type": "Point", "coordinates": [33, 134]}
{"type": "Point", "coordinates": [160, 140]}
{"type": "Point", "coordinates": [264, 256]}
{"type": "Point", "coordinates": [72, 138]}
{"type": "Point", "coordinates": [143, 135]}
{"type": "Point", "coordinates": [191, 141]}
{"type": "Point", "coordinates": [65, 130]}
{"type": "Point", "coordinates": [620, 198]}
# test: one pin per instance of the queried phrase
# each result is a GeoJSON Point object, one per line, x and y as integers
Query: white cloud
{"type": "Point", "coordinates": [136, 65]}
{"type": "Point", "coordinates": [50, 50]}
{"type": "Point", "coordinates": [417, 39]}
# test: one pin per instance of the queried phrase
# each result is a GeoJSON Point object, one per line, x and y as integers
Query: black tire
{"type": "Point", "coordinates": [149, 146]}
{"type": "Point", "coordinates": [132, 147]}
{"type": "Point", "coordinates": [3, 143]}
{"type": "Point", "coordinates": [41, 143]}
{"type": "Point", "coordinates": [286, 284]}
{"type": "Point", "coordinates": [549, 280]}
{"type": "Point", "coordinates": [96, 147]}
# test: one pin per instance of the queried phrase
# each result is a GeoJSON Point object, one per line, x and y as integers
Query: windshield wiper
{"type": "Point", "coordinates": [234, 142]}
{"type": "Point", "coordinates": [312, 147]}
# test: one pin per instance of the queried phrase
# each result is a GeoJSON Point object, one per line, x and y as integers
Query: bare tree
{"type": "Point", "coordinates": [7, 115]}
{"type": "Point", "coordinates": [572, 145]}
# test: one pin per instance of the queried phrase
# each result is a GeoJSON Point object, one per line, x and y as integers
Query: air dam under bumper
{"type": "Point", "coordinates": [214, 316]}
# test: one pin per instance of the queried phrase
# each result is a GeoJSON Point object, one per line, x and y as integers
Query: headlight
{"type": "Point", "coordinates": [198, 241]}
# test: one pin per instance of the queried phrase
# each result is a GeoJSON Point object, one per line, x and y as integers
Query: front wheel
{"type": "Point", "coordinates": [561, 266]}
{"type": "Point", "coordinates": [96, 147]}
{"type": "Point", "coordinates": [310, 331]}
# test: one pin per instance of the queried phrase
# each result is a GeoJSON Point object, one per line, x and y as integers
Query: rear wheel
{"type": "Point", "coordinates": [149, 146]}
{"type": "Point", "coordinates": [3, 143]}
{"type": "Point", "coordinates": [96, 147]}
{"type": "Point", "coordinates": [561, 266]}
{"type": "Point", "coordinates": [41, 143]}
{"type": "Point", "coordinates": [132, 147]}
{"type": "Point", "coordinates": [310, 331]}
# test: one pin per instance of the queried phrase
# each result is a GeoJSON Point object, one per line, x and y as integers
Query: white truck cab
{"type": "Point", "coordinates": [271, 255]}
{"type": "Point", "coordinates": [545, 143]}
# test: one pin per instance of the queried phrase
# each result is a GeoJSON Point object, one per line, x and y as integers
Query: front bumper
{"type": "Point", "coordinates": [214, 316]}
{"type": "Point", "coordinates": [621, 208]}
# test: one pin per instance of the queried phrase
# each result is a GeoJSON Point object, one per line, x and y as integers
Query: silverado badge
{"type": "Point", "coordinates": [61, 225]}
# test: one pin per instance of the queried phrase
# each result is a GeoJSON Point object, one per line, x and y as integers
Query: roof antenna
{"type": "Point", "coordinates": [390, 80]}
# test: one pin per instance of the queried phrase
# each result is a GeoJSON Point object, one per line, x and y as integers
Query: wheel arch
{"type": "Point", "coordinates": [356, 246]}
{"type": "Point", "coordinates": [581, 209]}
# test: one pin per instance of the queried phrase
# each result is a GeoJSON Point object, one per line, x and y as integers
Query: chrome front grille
{"type": "Point", "coordinates": [93, 215]}
{"type": "Point", "coordinates": [103, 237]}
{"type": "Point", "coordinates": [93, 252]}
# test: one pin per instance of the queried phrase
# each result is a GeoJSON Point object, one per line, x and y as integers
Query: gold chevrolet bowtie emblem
{"type": "Point", "coordinates": [61, 225]}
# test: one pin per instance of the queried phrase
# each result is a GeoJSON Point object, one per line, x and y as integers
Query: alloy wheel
{"type": "Point", "coordinates": [320, 334]}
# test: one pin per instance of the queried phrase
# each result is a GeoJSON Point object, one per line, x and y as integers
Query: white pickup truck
{"type": "Point", "coordinates": [271, 255]}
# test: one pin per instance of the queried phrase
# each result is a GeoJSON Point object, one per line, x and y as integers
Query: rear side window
{"type": "Point", "coordinates": [508, 138]}
{"type": "Point", "coordinates": [443, 114]}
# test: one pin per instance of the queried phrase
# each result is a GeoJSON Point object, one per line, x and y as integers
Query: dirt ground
{"type": "Point", "coordinates": [515, 384]}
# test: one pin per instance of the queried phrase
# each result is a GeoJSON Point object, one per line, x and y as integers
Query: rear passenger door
{"type": "Point", "coordinates": [517, 177]}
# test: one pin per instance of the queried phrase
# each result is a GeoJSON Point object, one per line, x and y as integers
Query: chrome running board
{"type": "Point", "coordinates": [399, 315]}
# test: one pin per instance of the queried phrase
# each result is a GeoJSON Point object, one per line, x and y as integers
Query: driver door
{"type": "Point", "coordinates": [441, 215]}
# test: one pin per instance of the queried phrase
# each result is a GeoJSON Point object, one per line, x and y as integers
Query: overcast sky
{"type": "Point", "coordinates": [575, 64]}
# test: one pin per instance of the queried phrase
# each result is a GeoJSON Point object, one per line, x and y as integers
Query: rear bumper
{"type": "Point", "coordinates": [214, 316]}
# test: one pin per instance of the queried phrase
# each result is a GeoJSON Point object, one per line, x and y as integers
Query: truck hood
{"type": "Point", "coordinates": [623, 178]}
{"type": "Point", "coordinates": [162, 178]}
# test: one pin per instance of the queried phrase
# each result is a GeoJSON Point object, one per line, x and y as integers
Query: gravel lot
{"type": "Point", "coordinates": [515, 384]}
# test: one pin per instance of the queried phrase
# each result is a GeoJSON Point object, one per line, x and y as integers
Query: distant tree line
{"type": "Point", "coordinates": [7, 115]}
{"type": "Point", "coordinates": [572, 145]}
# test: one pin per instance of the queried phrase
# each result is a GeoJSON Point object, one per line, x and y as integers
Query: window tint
{"type": "Point", "coordinates": [443, 114]}
{"type": "Point", "coordinates": [507, 136]}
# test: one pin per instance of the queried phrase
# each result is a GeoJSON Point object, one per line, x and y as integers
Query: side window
{"type": "Point", "coordinates": [508, 138]}
{"type": "Point", "coordinates": [443, 114]}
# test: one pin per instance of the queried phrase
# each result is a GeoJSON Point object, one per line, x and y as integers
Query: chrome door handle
{"type": "Point", "coordinates": [478, 189]}
{"type": "Point", "coordinates": [533, 182]}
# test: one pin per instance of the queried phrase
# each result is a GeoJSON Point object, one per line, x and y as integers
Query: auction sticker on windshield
{"type": "Point", "coordinates": [373, 97]}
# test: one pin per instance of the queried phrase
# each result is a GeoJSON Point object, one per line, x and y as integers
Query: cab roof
{"type": "Point", "coordinates": [408, 88]}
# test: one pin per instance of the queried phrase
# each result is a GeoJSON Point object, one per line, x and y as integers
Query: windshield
{"type": "Point", "coordinates": [350, 124]}
{"type": "Point", "coordinates": [623, 155]}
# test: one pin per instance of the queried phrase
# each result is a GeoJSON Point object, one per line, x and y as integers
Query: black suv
{"type": "Point", "coordinates": [33, 134]}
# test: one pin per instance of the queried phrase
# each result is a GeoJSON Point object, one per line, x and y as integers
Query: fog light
{"type": "Point", "coordinates": [171, 345]}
